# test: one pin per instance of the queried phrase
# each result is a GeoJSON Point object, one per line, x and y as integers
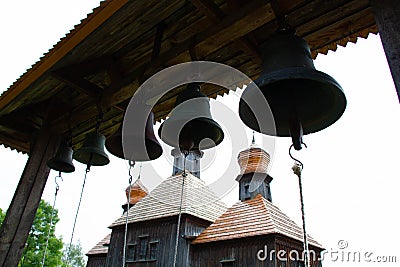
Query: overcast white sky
{"type": "Point", "coordinates": [351, 176]}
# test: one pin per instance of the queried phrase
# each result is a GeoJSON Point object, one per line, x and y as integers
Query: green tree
{"type": "Point", "coordinates": [75, 255]}
{"type": "Point", "coordinates": [2, 215]}
{"type": "Point", "coordinates": [36, 243]}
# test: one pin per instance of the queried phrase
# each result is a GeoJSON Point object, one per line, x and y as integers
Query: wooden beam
{"type": "Point", "coordinates": [249, 17]}
{"type": "Point", "coordinates": [387, 17]}
{"type": "Point", "coordinates": [79, 83]}
{"type": "Point", "coordinates": [157, 40]}
{"type": "Point", "coordinates": [123, 89]}
{"type": "Point", "coordinates": [213, 12]}
{"type": "Point", "coordinates": [20, 215]}
{"type": "Point", "coordinates": [87, 67]}
{"type": "Point", "coordinates": [210, 9]}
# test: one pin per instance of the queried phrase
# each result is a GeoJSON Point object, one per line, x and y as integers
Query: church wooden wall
{"type": "Point", "coordinates": [243, 252]}
{"type": "Point", "coordinates": [97, 261]}
{"type": "Point", "coordinates": [162, 233]}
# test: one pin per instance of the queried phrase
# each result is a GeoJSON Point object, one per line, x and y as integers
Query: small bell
{"type": "Point", "coordinates": [302, 99]}
{"type": "Point", "coordinates": [62, 161]}
{"type": "Point", "coordinates": [92, 151]}
{"type": "Point", "coordinates": [191, 126]}
{"type": "Point", "coordinates": [153, 147]}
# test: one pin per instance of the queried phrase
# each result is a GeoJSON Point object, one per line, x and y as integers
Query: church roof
{"type": "Point", "coordinates": [101, 247]}
{"type": "Point", "coordinates": [249, 218]}
{"type": "Point", "coordinates": [164, 200]}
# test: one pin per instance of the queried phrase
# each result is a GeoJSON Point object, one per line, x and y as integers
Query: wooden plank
{"type": "Point", "coordinates": [337, 31]}
{"type": "Point", "coordinates": [211, 10]}
{"type": "Point", "coordinates": [157, 40]}
{"type": "Point", "coordinates": [387, 17]}
{"type": "Point", "coordinates": [21, 213]}
{"type": "Point", "coordinates": [330, 15]}
{"type": "Point", "coordinates": [87, 67]}
{"type": "Point", "coordinates": [78, 83]}
{"type": "Point", "coordinates": [232, 28]}
{"type": "Point", "coordinates": [249, 16]}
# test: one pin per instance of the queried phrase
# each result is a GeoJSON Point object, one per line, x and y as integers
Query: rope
{"type": "Point", "coordinates": [131, 165]}
{"type": "Point", "coordinates": [297, 169]}
{"type": "Point", "coordinates": [52, 216]}
{"type": "Point", "coordinates": [180, 209]}
{"type": "Point", "coordinates": [77, 211]}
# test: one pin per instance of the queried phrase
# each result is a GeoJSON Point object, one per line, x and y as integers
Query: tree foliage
{"type": "Point", "coordinates": [2, 215]}
{"type": "Point", "coordinates": [75, 256]}
{"type": "Point", "coordinates": [36, 243]}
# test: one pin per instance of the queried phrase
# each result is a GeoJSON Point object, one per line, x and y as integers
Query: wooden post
{"type": "Point", "coordinates": [20, 215]}
{"type": "Point", "coordinates": [387, 17]}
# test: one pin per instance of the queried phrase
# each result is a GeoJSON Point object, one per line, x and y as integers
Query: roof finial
{"type": "Point", "coordinates": [254, 140]}
{"type": "Point", "coordinates": [140, 170]}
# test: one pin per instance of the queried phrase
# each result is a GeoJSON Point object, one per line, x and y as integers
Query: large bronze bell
{"type": "Point", "coordinates": [302, 99]}
{"type": "Point", "coordinates": [191, 126]}
{"type": "Point", "coordinates": [62, 161]}
{"type": "Point", "coordinates": [92, 151]}
{"type": "Point", "coordinates": [153, 147]}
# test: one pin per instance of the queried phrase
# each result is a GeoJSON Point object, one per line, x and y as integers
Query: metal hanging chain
{"type": "Point", "coordinates": [52, 216]}
{"type": "Point", "coordinates": [77, 210]}
{"type": "Point", "coordinates": [297, 169]}
{"type": "Point", "coordinates": [131, 165]}
{"type": "Point", "coordinates": [186, 153]}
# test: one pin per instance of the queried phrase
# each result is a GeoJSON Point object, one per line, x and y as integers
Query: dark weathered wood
{"type": "Point", "coordinates": [161, 230]}
{"type": "Point", "coordinates": [243, 252]}
{"type": "Point", "coordinates": [78, 83]}
{"type": "Point", "coordinates": [157, 40]}
{"type": "Point", "coordinates": [88, 66]}
{"type": "Point", "coordinates": [21, 213]}
{"type": "Point", "coordinates": [211, 10]}
{"type": "Point", "coordinates": [387, 17]}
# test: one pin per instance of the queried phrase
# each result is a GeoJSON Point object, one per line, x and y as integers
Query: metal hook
{"type": "Point", "coordinates": [296, 160]}
{"type": "Point", "coordinates": [55, 179]}
{"type": "Point", "coordinates": [57, 185]}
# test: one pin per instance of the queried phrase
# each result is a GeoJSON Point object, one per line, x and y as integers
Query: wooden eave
{"type": "Point", "coordinates": [105, 58]}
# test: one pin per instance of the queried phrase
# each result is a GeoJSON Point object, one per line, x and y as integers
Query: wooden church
{"type": "Point", "coordinates": [210, 234]}
{"type": "Point", "coordinates": [83, 85]}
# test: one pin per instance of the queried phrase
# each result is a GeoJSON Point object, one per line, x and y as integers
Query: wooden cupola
{"type": "Point", "coordinates": [253, 178]}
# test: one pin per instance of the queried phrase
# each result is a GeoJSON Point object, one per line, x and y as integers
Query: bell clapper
{"type": "Point", "coordinates": [297, 169]}
{"type": "Point", "coordinates": [296, 133]}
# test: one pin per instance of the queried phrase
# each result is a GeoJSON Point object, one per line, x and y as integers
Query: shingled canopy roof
{"type": "Point", "coordinates": [101, 247]}
{"type": "Point", "coordinates": [249, 218]}
{"type": "Point", "coordinates": [122, 43]}
{"type": "Point", "coordinates": [164, 201]}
